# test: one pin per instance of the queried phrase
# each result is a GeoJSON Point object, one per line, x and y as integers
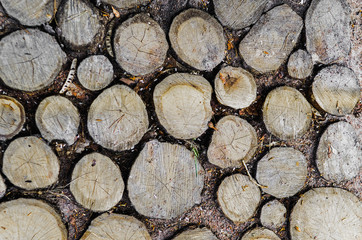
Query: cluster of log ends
{"type": "Point", "coordinates": [12, 117]}
{"type": "Point", "coordinates": [196, 234]}
{"type": "Point", "coordinates": [273, 214]}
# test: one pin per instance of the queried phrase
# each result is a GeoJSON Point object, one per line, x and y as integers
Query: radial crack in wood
{"type": "Point", "coordinates": [196, 234]}
{"type": "Point", "coordinates": [12, 117]}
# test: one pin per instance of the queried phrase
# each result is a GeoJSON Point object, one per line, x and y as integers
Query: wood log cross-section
{"type": "Point", "coordinates": [12, 117]}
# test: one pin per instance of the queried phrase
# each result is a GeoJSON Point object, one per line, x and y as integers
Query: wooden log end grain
{"type": "Point", "coordinates": [30, 219]}
{"type": "Point", "coordinates": [2, 187]}
{"type": "Point", "coordinates": [12, 117]}
{"type": "Point", "coordinates": [260, 233]}
{"type": "Point", "coordinates": [30, 164]}
{"type": "Point", "coordinates": [196, 234]}
{"type": "Point", "coordinates": [97, 182]}
{"type": "Point", "coordinates": [273, 214]}
{"type": "Point", "coordinates": [198, 39]}
{"type": "Point", "coordinates": [126, 4]}
{"type": "Point", "coordinates": [300, 64]}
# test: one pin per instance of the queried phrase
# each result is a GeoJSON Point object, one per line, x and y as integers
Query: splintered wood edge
{"type": "Point", "coordinates": [3, 123]}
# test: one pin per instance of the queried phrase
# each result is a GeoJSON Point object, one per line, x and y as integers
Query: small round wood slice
{"type": "Point", "coordinates": [126, 3]}
{"type": "Point", "coordinates": [260, 234]}
{"type": "Point", "coordinates": [339, 154]}
{"type": "Point", "coordinates": [233, 141]}
{"type": "Point", "coordinates": [29, 219]}
{"type": "Point", "coordinates": [97, 182]}
{"type": "Point", "coordinates": [117, 119]}
{"type": "Point", "coordinates": [30, 164]}
{"type": "Point", "coordinates": [182, 104]}
{"type": "Point", "coordinates": [117, 227]}
{"type": "Point", "coordinates": [283, 171]}
{"type": "Point", "coordinates": [198, 39]}
{"type": "Point", "coordinates": [286, 113]}
{"type": "Point", "coordinates": [30, 59]}
{"type": "Point", "coordinates": [273, 214]}
{"type": "Point", "coordinates": [57, 118]}
{"type": "Point", "coordinates": [336, 90]}
{"type": "Point", "coordinates": [165, 180]}
{"type": "Point", "coordinates": [2, 187]}
{"type": "Point", "coordinates": [95, 72]}
{"type": "Point", "coordinates": [300, 64]}
{"type": "Point", "coordinates": [326, 213]}
{"type": "Point", "coordinates": [12, 117]}
{"type": "Point", "coordinates": [140, 45]}
{"type": "Point", "coordinates": [238, 197]}
{"type": "Point", "coordinates": [196, 234]}
{"type": "Point", "coordinates": [235, 87]}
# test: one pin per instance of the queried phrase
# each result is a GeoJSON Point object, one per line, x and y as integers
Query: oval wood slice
{"type": "Point", "coordinates": [283, 171]}
{"type": "Point", "coordinates": [165, 180]}
{"type": "Point", "coordinates": [117, 119]}
{"type": "Point", "coordinates": [238, 197]}
{"type": "Point", "coordinates": [235, 87]}
{"type": "Point", "coordinates": [12, 117]}
{"type": "Point", "coordinates": [260, 233]}
{"type": "Point", "coordinates": [182, 104]}
{"type": "Point", "coordinates": [326, 213]}
{"type": "Point", "coordinates": [126, 3]}
{"type": "Point", "coordinates": [30, 59]}
{"type": "Point", "coordinates": [273, 214]}
{"type": "Point", "coordinates": [300, 64]}
{"type": "Point", "coordinates": [196, 234]}
{"type": "Point", "coordinates": [2, 187]}
{"type": "Point", "coordinates": [140, 45]}
{"type": "Point", "coordinates": [30, 164]}
{"type": "Point", "coordinates": [29, 219]}
{"type": "Point", "coordinates": [57, 118]}
{"type": "Point", "coordinates": [286, 113]}
{"type": "Point", "coordinates": [233, 141]}
{"type": "Point", "coordinates": [198, 39]}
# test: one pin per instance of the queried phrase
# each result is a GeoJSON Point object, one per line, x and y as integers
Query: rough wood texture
{"type": "Point", "coordinates": [117, 119]}
{"type": "Point", "coordinates": [235, 87]}
{"type": "Point", "coordinates": [233, 141]}
{"type": "Point", "coordinates": [2, 187]}
{"type": "Point", "coordinates": [336, 90]}
{"type": "Point", "coordinates": [326, 213]}
{"type": "Point", "coordinates": [12, 117]}
{"type": "Point", "coordinates": [260, 233]}
{"type": "Point", "coordinates": [57, 118]}
{"type": "Point", "coordinates": [283, 171]}
{"type": "Point", "coordinates": [30, 59]}
{"type": "Point", "coordinates": [30, 219]}
{"type": "Point", "coordinates": [238, 197]}
{"type": "Point", "coordinates": [126, 3]}
{"type": "Point", "coordinates": [97, 182]}
{"type": "Point", "coordinates": [140, 45]}
{"type": "Point", "coordinates": [300, 64]}
{"type": "Point", "coordinates": [268, 45]}
{"type": "Point", "coordinates": [196, 234]}
{"type": "Point", "coordinates": [182, 104]}
{"type": "Point", "coordinates": [165, 180]}
{"type": "Point", "coordinates": [30, 164]}
{"type": "Point", "coordinates": [286, 113]}
{"type": "Point", "coordinates": [273, 214]}
{"type": "Point", "coordinates": [198, 39]}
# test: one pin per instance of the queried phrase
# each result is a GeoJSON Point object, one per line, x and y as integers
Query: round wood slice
{"type": "Point", "coordinates": [339, 154]}
{"type": "Point", "coordinates": [198, 39]}
{"type": "Point", "coordinates": [233, 141]}
{"type": "Point", "coordinates": [326, 213]}
{"type": "Point", "coordinates": [273, 214]}
{"type": "Point", "coordinates": [235, 87]}
{"type": "Point", "coordinates": [12, 117]}
{"type": "Point", "coordinates": [29, 219]}
{"type": "Point", "coordinates": [117, 119]}
{"type": "Point", "coordinates": [286, 113]}
{"type": "Point", "coordinates": [336, 90]}
{"type": "Point", "coordinates": [300, 64]}
{"type": "Point", "coordinates": [97, 182]}
{"type": "Point", "coordinates": [182, 104]}
{"type": "Point", "coordinates": [57, 118]}
{"type": "Point", "coordinates": [140, 45]}
{"type": "Point", "coordinates": [30, 164]}
{"type": "Point", "coordinates": [238, 197]}
{"type": "Point", "coordinates": [95, 72]}
{"type": "Point", "coordinates": [283, 171]}
{"type": "Point", "coordinates": [117, 227]}
{"type": "Point", "coordinates": [126, 3]}
{"type": "Point", "coordinates": [196, 234]}
{"type": "Point", "coordinates": [260, 234]}
{"type": "Point", "coordinates": [165, 180]}
{"type": "Point", "coordinates": [30, 59]}
{"type": "Point", "coordinates": [2, 187]}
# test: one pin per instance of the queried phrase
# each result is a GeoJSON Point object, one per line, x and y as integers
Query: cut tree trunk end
{"type": "Point", "coordinates": [260, 233]}
{"type": "Point", "coordinates": [300, 64]}
{"type": "Point", "coordinates": [196, 234]}
{"type": "Point", "coordinates": [2, 187]}
{"type": "Point", "coordinates": [126, 3]}
{"type": "Point", "coordinates": [273, 214]}
{"type": "Point", "coordinates": [12, 117]}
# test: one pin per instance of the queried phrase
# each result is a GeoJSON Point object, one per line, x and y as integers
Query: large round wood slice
{"type": "Point", "coordinates": [182, 104]}
{"type": "Point", "coordinates": [235, 87]}
{"type": "Point", "coordinates": [286, 113]}
{"type": "Point", "coordinates": [336, 90]}
{"type": "Point", "coordinates": [29, 219]}
{"type": "Point", "coordinates": [273, 214]}
{"type": "Point", "coordinates": [30, 164]}
{"type": "Point", "coordinates": [30, 59]}
{"type": "Point", "coordinates": [339, 154]}
{"type": "Point", "coordinates": [283, 171]}
{"type": "Point", "coordinates": [12, 117]}
{"type": "Point", "coordinates": [57, 118]}
{"type": "Point", "coordinates": [300, 64]}
{"type": "Point", "coordinates": [233, 141]}
{"type": "Point", "coordinates": [238, 197]}
{"type": "Point", "coordinates": [165, 180]}
{"type": "Point", "coordinates": [260, 234]}
{"type": "Point", "coordinates": [2, 187]}
{"type": "Point", "coordinates": [198, 39]}
{"type": "Point", "coordinates": [126, 3]}
{"type": "Point", "coordinates": [196, 234]}
{"type": "Point", "coordinates": [97, 182]}
{"type": "Point", "coordinates": [140, 45]}
{"type": "Point", "coordinates": [117, 119]}
{"type": "Point", "coordinates": [326, 213]}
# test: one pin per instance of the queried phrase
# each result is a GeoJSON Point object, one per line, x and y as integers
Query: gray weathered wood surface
{"type": "Point", "coordinates": [196, 234]}
{"type": "Point", "coordinates": [273, 214]}
{"type": "Point", "coordinates": [12, 117]}
{"type": "Point", "coordinates": [2, 187]}
{"type": "Point", "coordinates": [126, 3]}
{"type": "Point", "coordinates": [300, 64]}
{"type": "Point", "coordinates": [260, 233]}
